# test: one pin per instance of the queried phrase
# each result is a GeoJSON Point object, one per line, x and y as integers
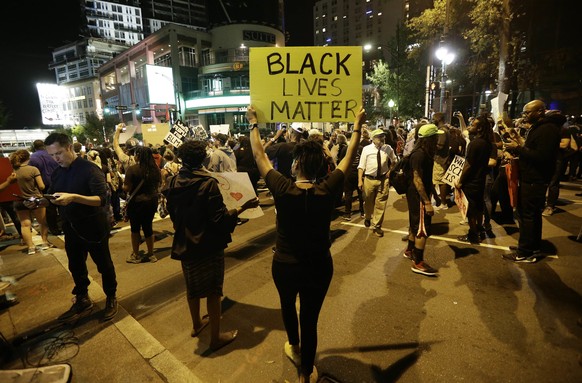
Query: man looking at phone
{"type": "Point", "coordinates": [80, 192]}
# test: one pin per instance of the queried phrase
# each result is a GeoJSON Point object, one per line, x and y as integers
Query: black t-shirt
{"type": "Point", "coordinates": [423, 165]}
{"type": "Point", "coordinates": [303, 216]}
{"type": "Point", "coordinates": [479, 151]}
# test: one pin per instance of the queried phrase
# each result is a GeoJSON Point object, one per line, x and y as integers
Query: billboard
{"type": "Point", "coordinates": [52, 99]}
{"type": "Point", "coordinates": [160, 85]}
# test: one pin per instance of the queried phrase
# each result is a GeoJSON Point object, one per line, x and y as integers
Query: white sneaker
{"type": "Point", "coordinates": [548, 211]}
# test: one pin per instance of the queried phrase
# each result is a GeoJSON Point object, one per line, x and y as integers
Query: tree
{"type": "Point", "coordinates": [100, 130]}
{"type": "Point", "coordinates": [401, 80]}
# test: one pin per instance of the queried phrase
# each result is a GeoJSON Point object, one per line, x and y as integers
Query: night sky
{"type": "Point", "coordinates": [46, 24]}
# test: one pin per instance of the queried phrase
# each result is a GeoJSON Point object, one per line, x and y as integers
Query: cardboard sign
{"type": "Point", "coordinates": [454, 171]}
{"type": "Point", "coordinates": [236, 189]}
{"type": "Point", "coordinates": [462, 202]}
{"type": "Point", "coordinates": [5, 171]}
{"type": "Point", "coordinates": [177, 134]}
{"type": "Point", "coordinates": [306, 84]}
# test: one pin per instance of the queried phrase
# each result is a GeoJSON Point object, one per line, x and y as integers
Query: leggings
{"type": "Point", "coordinates": [309, 279]}
{"type": "Point", "coordinates": [141, 215]}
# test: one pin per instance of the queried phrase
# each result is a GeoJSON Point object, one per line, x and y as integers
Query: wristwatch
{"type": "Point", "coordinates": [255, 125]}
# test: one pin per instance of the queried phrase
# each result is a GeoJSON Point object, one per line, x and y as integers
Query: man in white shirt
{"type": "Point", "coordinates": [376, 161]}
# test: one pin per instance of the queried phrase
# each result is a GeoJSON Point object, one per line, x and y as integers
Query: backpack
{"type": "Point", "coordinates": [399, 176]}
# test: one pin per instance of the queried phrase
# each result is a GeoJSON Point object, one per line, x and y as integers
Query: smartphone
{"type": "Point", "coordinates": [49, 196]}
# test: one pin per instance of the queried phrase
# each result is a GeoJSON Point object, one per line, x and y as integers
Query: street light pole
{"type": "Point", "coordinates": [390, 105]}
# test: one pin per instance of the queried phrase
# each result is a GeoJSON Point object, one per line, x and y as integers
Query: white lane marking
{"type": "Point", "coordinates": [446, 239]}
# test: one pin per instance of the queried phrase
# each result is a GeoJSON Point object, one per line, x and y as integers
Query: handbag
{"type": "Point", "coordinates": [162, 208]}
{"type": "Point", "coordinates": [128, 200]}
{"type": "Point", "coordinates": [162, 201]}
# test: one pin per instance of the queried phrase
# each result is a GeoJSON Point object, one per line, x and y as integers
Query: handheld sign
{"type": "Point", "coordinates": [454, 171]}
{"type": "Point", "coordinates": [177, 134]}
{"type": "Point", "coordinates": [306, 84]}
{"type": "Point", "coordinates": [236, 188]}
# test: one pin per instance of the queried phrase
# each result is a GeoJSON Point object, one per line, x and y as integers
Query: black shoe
{"type": "Point", "coordinates": [110, 308]}
{"type": "Point", "coordinates": [469, 239]}
{"type": "Point", "coordinates": [367, 223]}
{"type": "Point", "coordinates": [81, 305]}
{"type": "Point", "coordinates": [378, 232]}
{"type": "Point", "coordinates": [522, 258]}
{"type": "Point", "coordinates": [347, 217]}
{"type": "Point", "coordinates": [240, 221]}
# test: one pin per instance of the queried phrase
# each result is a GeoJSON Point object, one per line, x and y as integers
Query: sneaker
{"type": "Point", "coordinates": [423, 268]}
{"type": "Point", "coordinates": [517, 257]}
{"type": "Point", "coordinates": [292, 354]}
{"type": "Point", "coordinates": [548, 211]}
{"type": "Point", "coordinates": [31, 250]}
{"type": "Point", "coordinates": [347, 217]}
{"type": "Point", "coordinates": [110, 309]}
{"type": "Point", "coordinates": [378, 232]}
{"type": "Point", "coordinates": [133, 258]}
{"type": "Point", "coordinates": [404, 238]}
{"type": "Point", "coordinates": [46, 246]}
{"type": "Point", "coordinates": [464, 222]}
{"type": "Point", "coordinates": [362, 215]}
{"type": "Point", "coordinates": [151, 258]}
{"type": "Point", "coordinates": [367, 222]}
{"type": "Point", "coordinates": [407, 254]}
{"type": "Point", "coordinates": [81, 305]}
{"type": "Point", "coordinates": [474, 240]}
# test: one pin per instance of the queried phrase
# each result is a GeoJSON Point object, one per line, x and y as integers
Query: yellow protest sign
{"type": "Point", "coordinates": [306, 84]}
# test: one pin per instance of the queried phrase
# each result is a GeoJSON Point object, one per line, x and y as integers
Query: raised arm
{"type": "Point", "coordinates": [346, 162]}
{"type": "Point", "coordinates": [120, 153]}
{"type": "Point", "coordinates": [263, 162]}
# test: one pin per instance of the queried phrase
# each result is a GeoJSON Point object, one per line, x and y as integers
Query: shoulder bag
{"type": "Point", "coordinates": [128, 200]}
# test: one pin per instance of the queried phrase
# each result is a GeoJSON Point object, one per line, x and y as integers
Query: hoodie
{"type": "Point", "coordinates": [202, 223]}
{"type": "Point", "coordinates": [222, 159]}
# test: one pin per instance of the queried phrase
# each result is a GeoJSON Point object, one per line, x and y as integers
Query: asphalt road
{"type": "Point", "coordinates": [483, 319]}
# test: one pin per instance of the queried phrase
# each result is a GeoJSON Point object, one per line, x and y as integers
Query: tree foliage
{"type": "Point", "coordinates": [400, 80]}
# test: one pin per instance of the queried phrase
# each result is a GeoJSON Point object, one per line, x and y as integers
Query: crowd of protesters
{"type": "Point", "coordinates": [309, 173]}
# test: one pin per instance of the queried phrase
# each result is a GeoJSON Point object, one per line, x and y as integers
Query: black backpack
{"type": "Point", "coordinates": [399, 176]}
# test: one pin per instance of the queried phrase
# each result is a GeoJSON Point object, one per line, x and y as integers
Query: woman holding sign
{"type": "Point", "coordinates": [304, 208]}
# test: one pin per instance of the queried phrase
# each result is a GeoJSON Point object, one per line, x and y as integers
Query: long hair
{"type": "Point", "coordinates": [310, 159]}
{"type": "Point", "coordinates": [427, 144]}
{"type": "Point", "coordinates": [484, 128]}
{"type": "Point", "coordinates": [147, 164]}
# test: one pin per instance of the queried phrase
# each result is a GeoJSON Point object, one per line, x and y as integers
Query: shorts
{"type": "Point", "coordinates": [438, 172]}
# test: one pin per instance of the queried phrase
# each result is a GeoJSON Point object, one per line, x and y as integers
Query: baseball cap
{"type": "Point", "coordinates": [376, 132]}
{"type": "Point", "coordinates": [298, 127]}
{"type": "Point", "coordinates": [428, 130]}
{"type": "Point", "coordinates": [131, 145]}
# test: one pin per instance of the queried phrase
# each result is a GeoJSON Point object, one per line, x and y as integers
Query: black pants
{"type": "Point", "coordinates": [53, 219]}
{"type": "Point", "coordinates": [554, 185]}
{"type": "Point", "coordinates": [310, 280]}
{"type": "Point", "coordinates": [351, 184]}
{"type": "Point", "coordinates": [500, 193]}
{"type": "Point", "coordinates": [77, 249]}
{"type": "Point", "coordinates": [530, 205]}
{"type": "Point", "coordinates": [9, 208]}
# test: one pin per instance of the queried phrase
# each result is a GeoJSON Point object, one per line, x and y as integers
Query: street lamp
{"type": "Point", "coordinates": [446, 58]}
{"type": "Point", "coordinates": [391, 105]}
